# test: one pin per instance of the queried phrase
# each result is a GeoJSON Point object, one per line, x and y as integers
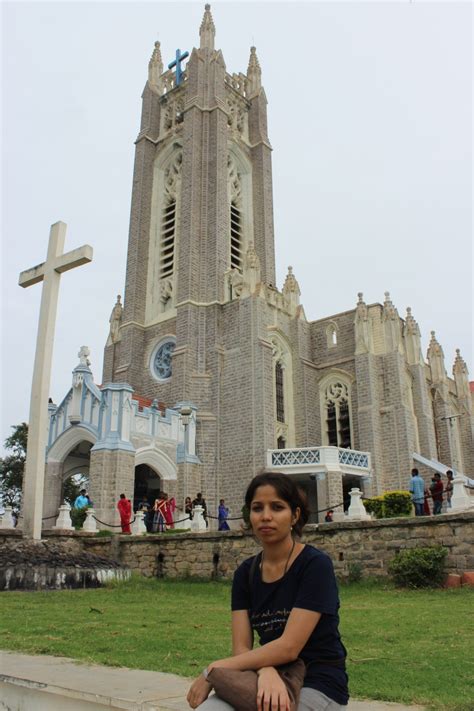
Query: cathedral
{"type": "Point", "coordinates": [211, 371]}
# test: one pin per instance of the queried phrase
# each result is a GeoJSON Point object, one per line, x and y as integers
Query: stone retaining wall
{"type": "Point", "coordinates": [371, 544]}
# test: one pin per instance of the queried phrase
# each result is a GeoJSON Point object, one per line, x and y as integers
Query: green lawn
{"type": "Point", "coordinates": [406, 646]}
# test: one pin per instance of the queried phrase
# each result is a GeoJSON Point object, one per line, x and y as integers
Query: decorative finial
{"type": "Point", "coordinates": [207, 31]}
{"type": "Point", "coordinates": [411, 326]}
{"type": "Point", "coordinates": [360, 296]}
{"type": "Point", "coordinates": [155, 68]}
{"type": "Point", "coordinates": [291, 285]}
{"type": "Point", "coordinates": [254, 73]}
{"type": "Point", "coordinates": [389, 310]}
{"type": "Point", "coordinates": [460, 367]}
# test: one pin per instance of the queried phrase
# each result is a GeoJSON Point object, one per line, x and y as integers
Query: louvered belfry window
{"type": "Point", "coordinates": [235, 237]}
{"type": "Point", "coordinates": [168, 234]}
{"type": "Point", "coordinates": [280, 403]}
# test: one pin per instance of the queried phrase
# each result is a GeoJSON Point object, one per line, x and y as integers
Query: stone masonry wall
{"type": "Point", "coordinates": [372, 544]}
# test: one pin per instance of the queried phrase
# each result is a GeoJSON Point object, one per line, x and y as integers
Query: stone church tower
{"type": "Point", "coordinates": [205, 330]}
{"type": "Point", "coordinates": [201, 250]}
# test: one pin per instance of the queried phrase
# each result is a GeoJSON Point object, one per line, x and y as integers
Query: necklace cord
{"type": "Point", "coordinates": [287, 560]}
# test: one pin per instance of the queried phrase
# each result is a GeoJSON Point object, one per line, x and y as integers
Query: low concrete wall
{"type": "Point", "coordinates": [371, 544]}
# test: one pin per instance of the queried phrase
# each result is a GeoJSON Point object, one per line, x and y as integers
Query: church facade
{"type": "Point", "coordinates": [205, 329]}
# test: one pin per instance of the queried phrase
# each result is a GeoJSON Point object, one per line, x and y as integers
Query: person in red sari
{"type": "Point", "coordinates": [125, 510]}
{"type": "Point", "coordinates": [170, 506]}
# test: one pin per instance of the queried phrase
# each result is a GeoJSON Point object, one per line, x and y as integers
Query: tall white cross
{"type": "Point", "coordinates": [49, 272]}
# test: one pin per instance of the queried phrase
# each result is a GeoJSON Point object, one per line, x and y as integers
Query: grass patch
{"type": "Point", "coordinates": [410, 646]}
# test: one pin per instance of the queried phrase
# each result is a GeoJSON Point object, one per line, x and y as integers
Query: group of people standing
{"type": "Point", "coordinates": [159, 516]}
{"type": "Point", "coordinates": [421, 494]}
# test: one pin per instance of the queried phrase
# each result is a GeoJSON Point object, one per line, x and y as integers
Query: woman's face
{"type": "Point", "coordinates": [271, 517]}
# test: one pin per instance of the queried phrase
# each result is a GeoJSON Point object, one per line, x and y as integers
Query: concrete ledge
{"type": "Point", "coordinates": [42, 683]}
{"type": "Point", "coordinates": [47, 683]}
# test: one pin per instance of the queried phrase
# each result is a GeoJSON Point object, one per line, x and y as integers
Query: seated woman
{"type": "Point", "coordinates": [289, 598]}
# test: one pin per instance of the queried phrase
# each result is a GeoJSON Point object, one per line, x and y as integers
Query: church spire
{"type": "Point", "coordinates": [155, 69]}
{"type": "Point", "coordinates": [207, 31]}
{"type": "Point", "coordinates": [254, 73]}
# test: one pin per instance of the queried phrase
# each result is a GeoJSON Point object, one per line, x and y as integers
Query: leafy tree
{"type": "Point", "coordinates": [12, 467]}
{"type": "Point", "coordinates": [72, 487]}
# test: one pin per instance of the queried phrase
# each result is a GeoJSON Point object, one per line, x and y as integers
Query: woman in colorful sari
{"type": "Point", "coordinates": [159, 520]}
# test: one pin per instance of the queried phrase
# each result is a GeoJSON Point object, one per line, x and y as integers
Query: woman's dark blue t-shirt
{"type": "Point", "coordinates": [309, 584]}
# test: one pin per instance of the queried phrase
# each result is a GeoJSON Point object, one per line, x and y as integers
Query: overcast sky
{"type": "Point", "coordinates": [370, 117]}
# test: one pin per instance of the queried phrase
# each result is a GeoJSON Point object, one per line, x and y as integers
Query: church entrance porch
{"type": "Point", "coordinates": [148, 483]}
{"type": "Point", "coordinates": [325, 473]}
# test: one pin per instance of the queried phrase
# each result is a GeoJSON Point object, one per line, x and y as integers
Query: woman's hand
{"type": "Point", "coordinates": [271, 693]}
{"type": "Point", "coordinates": [199, 691]}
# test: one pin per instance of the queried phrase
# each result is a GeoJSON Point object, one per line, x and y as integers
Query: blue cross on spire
{"type": "Point", "coordinates": [177, 63]}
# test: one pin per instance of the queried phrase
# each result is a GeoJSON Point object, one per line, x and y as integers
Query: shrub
{"type": "Point", "coordinates": [390, 505]}
{"type": "Point", "coordinates": [374, 506]}
{"type": "Point", "coordinates": [419, 567]}
{"type": "Point", "coordinates": [397, 503]}
{"type": "Point", "coordinates": [78, 516]}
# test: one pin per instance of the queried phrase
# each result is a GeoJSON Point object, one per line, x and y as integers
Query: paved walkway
{"type": "Point", "coordinates": [56, 682]}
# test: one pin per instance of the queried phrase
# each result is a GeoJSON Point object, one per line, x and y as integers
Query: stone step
{"type": "Point", "coordinates": [45, 683]}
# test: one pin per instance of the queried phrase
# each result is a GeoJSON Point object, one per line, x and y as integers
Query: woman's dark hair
{"type": "Point", "coordinates": [286, 490]}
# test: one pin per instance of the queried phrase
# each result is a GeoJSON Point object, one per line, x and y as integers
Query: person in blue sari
{"type": "Point", "coordinates": [222, 516]}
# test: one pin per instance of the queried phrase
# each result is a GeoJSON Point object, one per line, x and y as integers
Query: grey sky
{"type": "Point", "coordinates": [369, 117]}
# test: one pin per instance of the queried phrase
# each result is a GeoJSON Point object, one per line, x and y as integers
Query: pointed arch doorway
{"type": "Point", "coordinates": [147, 483]}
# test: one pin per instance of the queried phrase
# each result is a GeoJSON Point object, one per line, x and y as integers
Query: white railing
{"type": "Point", "coordinates": [319, 459]}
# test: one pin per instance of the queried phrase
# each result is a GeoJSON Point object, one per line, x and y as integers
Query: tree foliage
{"type": "Point", "coordinates": [12, 467]}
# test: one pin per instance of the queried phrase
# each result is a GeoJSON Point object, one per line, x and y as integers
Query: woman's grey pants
{"type": "Point", "coordinates": [310, 700]}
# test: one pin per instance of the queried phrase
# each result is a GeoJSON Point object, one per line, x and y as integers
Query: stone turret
{"type": "Point", "coordinates": [436, 360]}
{"type": "Point", "coordinates": [155, 70]}
{"type": "Point", "coordinates": [392, 327]}
{"type": "Point", "coordinates": [291, 290]}
{"type": "Point", "coordinates": [254, 74]}
{"type": "Point", "coordinates": [207, 31]}
{"type": "Point", "coordinates": [461, 377]}
{"type": "Point", "coordinates": [362, 326]}
{"type": "Point", "coordinates": [412, 338]}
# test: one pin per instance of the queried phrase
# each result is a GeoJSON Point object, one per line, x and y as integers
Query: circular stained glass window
{"type": "Point", "coordinates": [161, 360]}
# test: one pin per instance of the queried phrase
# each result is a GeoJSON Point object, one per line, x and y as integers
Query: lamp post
{"type": "Point", "coordinates": [185, 416]}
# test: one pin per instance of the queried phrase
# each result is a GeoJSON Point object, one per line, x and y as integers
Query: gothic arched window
{"type": "Point", "coordinates": [280, 397]}
{"type": "Point", "coordinates": [336, 414]}
{"type": "Point", "coordinates": [331, 335]}
{"type": "Point", "coordinates": [282, 376]}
